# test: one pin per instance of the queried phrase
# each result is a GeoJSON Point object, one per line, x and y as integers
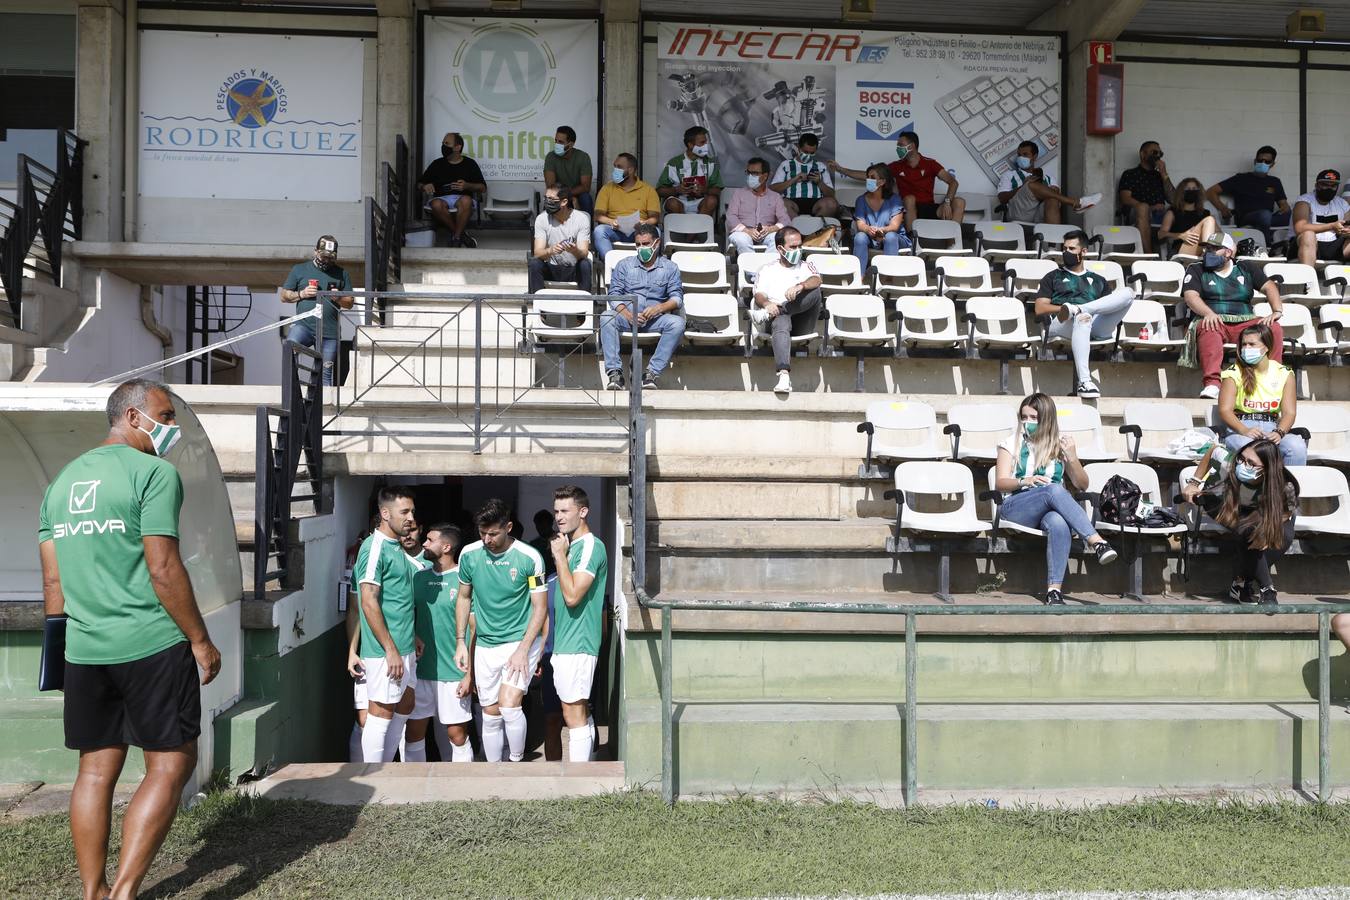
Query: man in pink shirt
{"type": "Point", "coordinates": [755, 213]}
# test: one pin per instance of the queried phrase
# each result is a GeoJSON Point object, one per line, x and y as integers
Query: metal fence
{"type": "Point", "coordinates": [48, 211]}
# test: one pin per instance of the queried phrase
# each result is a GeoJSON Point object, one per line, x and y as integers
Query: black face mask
{"type": "Point", "coordinates": [1325, 195]}
{"type": "Point", "coordinates": [447, 151]}
{"type": "Point", "coordinates": [1070, 259]}
{"type": "Point", "coordinates": [552, 205]}
{"type": "Point", "coordinates": [1190, 196]}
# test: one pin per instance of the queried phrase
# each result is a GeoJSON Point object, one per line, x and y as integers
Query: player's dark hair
{"type": "Point", "coordinates": [130, 394]}
{"type": "Point", "coordinates": [493, 512]}
{"type": "Point", "coordinates": [1267, 149]}
{"type": "Point", "coordinates": [763, 163]}
{"type": "Point", "coordinates": [1146, 144]}
{"type": "Point", "coordinates": [574, 493]}
{"type": "Point", "coordinates": [632, 160]}
{"type": "Point", "coordinates": [449, 533]}
{"type": "Point", "coordinates": [912, 135]}
{"type": "Point", "coordinates": [567, 132]}
{"type": "Point", "coordinates": [808, 140]}
{"type": "Point", "coordinates": [1078, 235]}
{"type": "Point", "coordinates": [780, 237]}
{"type": "Point", "coordinates": [692, 132]}
{"type": "Point", "coordinates": [1035, 147]}
{"type": "Point", "coordinates": [393, 492]}
{"type": "Point", "coordinates": [648, 229]}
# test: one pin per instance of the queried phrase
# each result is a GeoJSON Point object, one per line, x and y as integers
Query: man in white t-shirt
{"type": "Point", "coordinates": [1029, 195]}
{"type": "Point", "coordinates": [1319, 221]}
{"type": "Point", "coordinates": [787, 295]}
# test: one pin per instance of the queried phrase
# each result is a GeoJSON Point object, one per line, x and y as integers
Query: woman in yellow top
{"type": "Point", "coordinates": [1257, 398]}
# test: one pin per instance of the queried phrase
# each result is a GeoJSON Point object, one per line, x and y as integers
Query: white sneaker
{"type": "Point", "coordinates": [1087, 391]}
{"type": "Point", "coordinates": [784, 385]}
{"type": "Point", "coordinates": [1088, 202]}
{"type": "Point", "coordinates": [1210, 392]}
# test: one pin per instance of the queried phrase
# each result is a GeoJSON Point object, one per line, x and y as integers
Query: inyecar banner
{"type": "Point", "coordinates": [506, 85]}
{"type": "Point", "coordinates": [971, 98]}
{"type": "Point", "coordinates": [250, 116]}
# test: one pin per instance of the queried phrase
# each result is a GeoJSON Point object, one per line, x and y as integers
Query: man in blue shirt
{"type": "Point", "coordinates": [656, 282]}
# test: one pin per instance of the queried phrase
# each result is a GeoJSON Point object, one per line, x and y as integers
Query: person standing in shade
{"type": "Point", "coordinates": [570, 169]}
{"type": "Point", "coordinates": [452, 185]}
{"type": "Point", "coordinates": [385, 571]}
{"type": "Point", "coordinates": [444, 691]}
{"type": "Point", "coordinates": [501, 580]}
{"type": "Point", "coordinates": [1259, 200]}
{"type": "Point", "coordinates": [622, 205]}
{"type": "Point", "coordinates": [755, 213]}
{"type": "Point", "coordinates": [578, 617]}
{"type": "Point", "coordinates": [691, 182]}
{"type": "Point", "coordinates": [562, 243]}
{"type": "Point", "coordinates": [655, 280]}
{"type": "Point", "coordinates": [787, 295]}
{"type": "Point", "coordinates": [135, 638]}
{"type": "Point", "coordinates": [303, 284]}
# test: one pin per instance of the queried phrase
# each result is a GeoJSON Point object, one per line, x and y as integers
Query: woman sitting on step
{"type": "Point", "coordinates": [1033, 463]}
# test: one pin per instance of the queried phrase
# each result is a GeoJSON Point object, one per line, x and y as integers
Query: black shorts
{"type": "Point", "coordinates": [927, 210]}
{"type": "Point", "coordinates": [154, 703]}
{"type": "Point", "coordinates": [806, 207]}
{"type": "Point", "coordinates": [1331, 251]}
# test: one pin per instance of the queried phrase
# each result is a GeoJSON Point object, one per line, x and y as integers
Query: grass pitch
{"type": "Point", "coordinates": [629, 844]}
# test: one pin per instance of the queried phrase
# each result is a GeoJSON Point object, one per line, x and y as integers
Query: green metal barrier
{"type": "Point", "coordinates": [1323, 611]}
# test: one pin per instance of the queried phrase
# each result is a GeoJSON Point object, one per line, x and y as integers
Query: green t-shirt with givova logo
{"type": "Point", "coordinates": [95, 513]}
{"type": "Point", "coordinates": [502, 585]}
{"type": "Point", "coordinates": [434, 596]}
{"type": "Point", "coordinates": [382, 562]}
{"type": "Point", "coordinates": [577, 628]}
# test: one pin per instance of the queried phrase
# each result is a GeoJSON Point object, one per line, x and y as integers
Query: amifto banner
{"type": "Point", "coordinates": [250, 116]}
{"type": "Point", "coordinates": [506, 85]}
{"type": "Point", "coordinates": [970, 98]}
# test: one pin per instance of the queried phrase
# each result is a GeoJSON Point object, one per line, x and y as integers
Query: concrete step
{"type": "Point", "coordinates": [445, 266]}
{"type": "Point", "coordinates": [358, 784]}
{"type": "Point", "coordinates": [32, 742]}
{"type": "Point", "coordinates": [856, 747]}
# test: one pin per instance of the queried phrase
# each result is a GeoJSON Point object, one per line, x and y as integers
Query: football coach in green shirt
{"type": "Point", "coordinates": [135, 639]}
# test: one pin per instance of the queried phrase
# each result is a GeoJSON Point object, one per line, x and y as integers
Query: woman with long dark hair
{"type": "Point", "coordinates": [1258, 399]}
{"type": "Point", "coordinates": [1034, 462]}
{"type": "Point", "coordinates": [878, 217]}
{"type": "Point", "coordinates": [1256, 498]}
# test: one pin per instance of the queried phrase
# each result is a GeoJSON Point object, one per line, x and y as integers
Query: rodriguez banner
{"type": "Point", "coordinates": [971, 98]}
{"type": "Point", "coordinates": [250, 116]}
{"type": "Point", "coordinates": [506, 85]}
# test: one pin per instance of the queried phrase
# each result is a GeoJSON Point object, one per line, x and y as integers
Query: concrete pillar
{"type": "Point", "coordinates": [1087, 162]}
{"type": "Point", "coordinates": [395, 77]}
{"type": "Point", "coordinates": [622, 76]}
{"type": "Point", "coordinates": [100, 114]}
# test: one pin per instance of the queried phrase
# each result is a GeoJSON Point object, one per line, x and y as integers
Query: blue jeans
{"type": "Point", "coordinates": [302, 333]}
{"type": "Point", "coordinates": [891, 244]}
{"type": "Point", "coordinates": [1293, 449]}
{"type": "Point", "coordinates": [1261, 219]}
{"type": "Point", "coordinates": [1102, 317]}
{"type": "Point", "coordinates": [1051, 508]}
{"type": "Point", "coordinates": [669, 325]}
{"type": "Point", "coordinates": [604, 238]}
{"type": "Point", "coordinates": [584, 202]}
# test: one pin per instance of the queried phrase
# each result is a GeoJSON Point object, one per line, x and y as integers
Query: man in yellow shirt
{"type": "Point", "coordinates": [622, 205]}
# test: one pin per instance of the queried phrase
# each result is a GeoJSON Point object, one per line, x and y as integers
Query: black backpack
{"type": "Point", "coordinates": [1120, 501]}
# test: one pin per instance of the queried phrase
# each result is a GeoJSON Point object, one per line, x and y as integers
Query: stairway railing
{"type": "Point", "coordinates": [48, 210]}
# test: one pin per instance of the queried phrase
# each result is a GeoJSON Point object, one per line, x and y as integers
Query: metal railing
{"type": "Point", "coordinates": [910, 761]}
{"type": "Point", "coordinates": [384, 225]}
{"type": "Point", "coordinates": [48, 211]}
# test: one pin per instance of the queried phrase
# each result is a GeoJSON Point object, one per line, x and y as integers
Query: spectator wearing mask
{"type": "Point", "coordinates": [451, 185]}
{"type": "Point", "coordinates": [1188, 222]}
{"type": "Point", "coordinates": [1027, 192]}
{"type": "Point", "coordinates": [1082, 308]}
{"type": "Point", "coordinates": [656, 282]}
{"type": "Point", "coordinates": [1218, 292]}
{"type": "Point", "coordinates": [788, 295]}
{"type": "Point", "coordinates": [1144, 191]}
{"type": "Point", "coordinates": [570, 168]}
{"type": "Point", "coordinates": [1258, 400]}
{"type": "Point", "coordinates": [1256, 499]}
{"type": "Point", "coordinates": [622, 205]}
{"type": "Point", "coordinates": [691, 182]}
{"type": "Point", "coordinates": [755, 213]}
{"type": "Point", "coordinates": [914, 177]}
{"type": "Point", "coordinates": [306, 279]}
{"type": "Point", "coordinates": [1034, 463]}
{"type": "Point", "coordinates": [1320, 221]}
{"type": "Point", "coordinates": [878, 218]}
{"type": "Point", "coordinates": [1258, 196]}
{"type": "Point", "coordinates": [562, 243]}
{"type": "Point", "coordinates": [804, 182]}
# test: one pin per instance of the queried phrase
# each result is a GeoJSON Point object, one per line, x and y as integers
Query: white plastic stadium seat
{"type": "Point", "coordinates": [511, 200]}
{"type": "Point", "coordinates": [1008, 524]}
{"type": "Point", "coordinates": [1110, 270]}
{"type": "Point", "coordinates": [687, 231]}
{"type": "Point", "coordinates": [1207, 524]}
{"type": "Point", "coordinates": [1297, 323]}
{"type": "Point", "coordinates": [857, 320]}
{"type": "Point", "coordinates": [997, 323]}
{"type": "Point", "coordinates": [1084, 424]}
{"type": "Point", "coordinates": [1022, 277]}
{"type": "Point", "coordinates": [1157, 279]}
{"type": "Point", "coordinates": [962, 277]}
{"type": "Point", "coordinates": [1242, 234]}
{"type": "Point", "coordinates": [721, 311]}
{"type": "Point", "coordinates": [1151, 492]}
{"type": "Point", "coordinates": [1335, 279]}
{"type": "Point", "coordinates": [560, 317]}
{"type": "Point", "coordinates": [809, 225]}
{"type": "Point", "coordinates": [1158, 423]}
{"type": "Point", "coordinates": [999, 242]}
{"type": "Point", "coordinates": [839, 274]}
{"type": "Point", "coordinates": [1336, 314]}
{"type": "Point", "coordinates": [901, 276]}
{"type": "Point", "coordinates": [747, 267]}
{"type": "Point", "coordinates": [928, 323]}
{"type": "Point", "coordinates": [976, 429]}
{"type": "Point", "coordinates": [1327, 485]}
{"type": "Point", "coordinates": [938, 237]}
{"type": "Point", "coordinates": [1329, 429]}
{"type": "Point", "coordinates": [1152, 314]}
{"type": "Point", "coordinates": [1122, 244]}
{"type": "Point", "coordinates": [1049, 239]}
{"type": "Point", "coordinates": [901, 430]}
{"type": "Point", "coordinates": [612, 260]}
{"type": "Point", "coordinates": [937, 479]}
{"type": "Point", "coordinates": [1299, 284]}
{"type": "Point", "coordinates": [704, 271]}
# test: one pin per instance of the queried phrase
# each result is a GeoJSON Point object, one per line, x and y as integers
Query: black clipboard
{"type": "Point", "coordinates": [52, 671]}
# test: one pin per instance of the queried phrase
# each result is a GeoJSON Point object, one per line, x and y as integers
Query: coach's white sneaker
{"type": "Point", "coordinates": [1209, 392]}
{"type": "Point", "coordinates": [784, 385]}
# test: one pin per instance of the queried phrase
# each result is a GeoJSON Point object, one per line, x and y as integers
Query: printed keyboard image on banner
{"type": "Point", "coordinates": [994, 113]}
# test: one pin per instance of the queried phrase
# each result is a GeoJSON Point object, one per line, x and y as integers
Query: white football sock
{"type": "Point", "coordinates": [514, 717]}
{"type": "Point", "coordinates": [493, 735]}
{"type": "Point", "coordinates": [442, 740]}
{"type": "Point", "coordinates": [415, 751]}
{"type": "Point", "coordinates": [354, 744]}
{"type": "Point", "coordinates": [461, 752]}
{"type": "Point", "coordinates": [595, 735]}
{"type": "Point", "coordinates": [394, 737]}
{"type": "Point", "coordinates": [579, 744]}
{"type": "Point", "coordinates": [372, 739]}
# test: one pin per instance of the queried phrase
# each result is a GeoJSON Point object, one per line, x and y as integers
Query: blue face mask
{"type": "Point", "coordinates": [1248, 474]}
{"type": "Point", "coordinates": [752, 182]}
{"type": "Point", "coordinates": [1213, 261]}
{"type": "Point", "coordinates": [1252, 355]}
{"type": "Point", "coordinates": [617, 175]}
{"type": "Point", "coordinates": [1029, 428]}
{"type": "Point", "coordinates": [1023, 163]}
{"type": "Point", "coordinates": [559, 149]}
{"type": "Point", "coordinates": [1261, 168]}
{"type": "Point", "coordinates": [871, 185]}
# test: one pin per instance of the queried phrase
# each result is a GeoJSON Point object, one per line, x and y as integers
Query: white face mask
{"type": "Point", "coordinates": [702, 149]}
{"type": "Point", "coordinates": [162, 437]}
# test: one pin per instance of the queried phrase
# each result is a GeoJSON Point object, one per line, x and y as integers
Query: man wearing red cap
{"type": "Point", "coordinates": [1320, 221]}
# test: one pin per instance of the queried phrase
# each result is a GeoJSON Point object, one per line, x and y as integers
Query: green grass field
{"type": "Point", "coordinates": [630, 844]}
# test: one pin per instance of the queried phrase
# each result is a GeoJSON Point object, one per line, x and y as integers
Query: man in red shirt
{"type": "Point", "coordinates": [914, 175]}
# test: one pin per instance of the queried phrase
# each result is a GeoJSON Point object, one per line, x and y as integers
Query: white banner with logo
{"type": "Point", "coordinates": [506, 85]}
{"type": "Point", "coordinates": [250, 116]}
{"type": "Point", "coordinates": [970, 98]}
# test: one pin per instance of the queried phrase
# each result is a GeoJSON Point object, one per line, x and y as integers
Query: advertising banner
{"type": "Point", "coordinates": [250, 116]}
{"type": "Point", "coordinates": [970, 98]}
{"type": "Point", "coordinates": [506, 85]}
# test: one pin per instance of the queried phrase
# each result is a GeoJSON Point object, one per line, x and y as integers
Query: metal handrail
{"type": "Point", "coordinates": [45, 200]}
{"type": "Point", "coordinates": [1323, 611]}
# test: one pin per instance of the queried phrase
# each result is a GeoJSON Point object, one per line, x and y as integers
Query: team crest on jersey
{"type": "Point", "coordinates": [513, 573]}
